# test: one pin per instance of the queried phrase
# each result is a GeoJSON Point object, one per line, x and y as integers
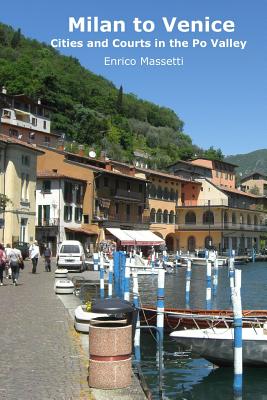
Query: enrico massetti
{"type": "Point", "coordinates": [144, 61]}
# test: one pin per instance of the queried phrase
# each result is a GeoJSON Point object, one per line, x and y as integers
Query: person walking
{"type": "Point", "coordinates": [3, 261]}
{"type": "Point", "coordinates": [8, 268]}
{"type": "Point", "coordinates": [34, 255]}
{"type": "Point", "coordinates": [47, 257]}
{"type": "Point", "coordinates": [15, 259]}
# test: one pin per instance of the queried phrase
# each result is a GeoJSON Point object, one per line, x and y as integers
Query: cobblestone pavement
{"type": "Point", "coordinates": [40, 355]}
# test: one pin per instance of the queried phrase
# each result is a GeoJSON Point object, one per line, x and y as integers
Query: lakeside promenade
{"type": "Point", "coordinates": [40, 356]}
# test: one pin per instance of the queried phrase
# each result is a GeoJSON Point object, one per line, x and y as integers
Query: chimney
{"type": "Point", "coordinates": [108, 166]}
{"type": "Point", "coordinates": [132, 171]}
{"type": "Point", "coordinates": [80, 150]}
{"type": "Point", "coordinates": [4, 91]}
{"type": "Point", "coordinates": [102, 155]}
{"type": "Point", "coordinates": [39, 101]}
{"type": "Point", "coordinates": [60, 146]}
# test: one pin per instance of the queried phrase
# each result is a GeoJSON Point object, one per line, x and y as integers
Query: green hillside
{"type": "Point", "coordinates": [250, 162]}
{"type": "Point", "coordinates": [88, 108]}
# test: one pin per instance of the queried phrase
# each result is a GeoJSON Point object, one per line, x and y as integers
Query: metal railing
{"type": "Point", "coordinates": [48, 222]}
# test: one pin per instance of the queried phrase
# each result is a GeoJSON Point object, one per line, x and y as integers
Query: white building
{"type": "Point", "coordinates": [59, 208]}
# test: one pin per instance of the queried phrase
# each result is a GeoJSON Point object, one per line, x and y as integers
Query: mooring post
{"type": "Point", "coordinates": [160, 304]}
{"type": "Point", "coordinates": [153, 262]}
{"type": "Point", "coordinates": [95, 261]}
{"type": "Point", "coordinates": [116, 264]}
{"type": "Point", "coordinates": [208, 285]}
{"type": "Point", "coordinates": [102, 277]}
{"type": "Point", "coordinates": [122, 273]}
{"type": "Point", "coordinates": [238, 356]}
{"type": "Point", "coordinates": [188, 281]}
{"type": "Point", "coordinates": [253, 255]}
{"type": "Point", "coordinates": [215, 277]}
{"type": "Point", "coordinates": [232, 271]}
{"type": "Point", "coordinates": [137, 351]}
{"type": "Point", "coordinates": [110, 278]}
{"type": "Point", "coordinates": [126, 282]}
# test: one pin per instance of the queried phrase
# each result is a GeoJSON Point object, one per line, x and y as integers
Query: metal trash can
{"type": "Point", "coordinates": [110, 344]}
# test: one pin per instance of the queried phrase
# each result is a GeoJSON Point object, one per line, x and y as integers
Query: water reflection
{"type": "Point", "coordinates": [186, 378]}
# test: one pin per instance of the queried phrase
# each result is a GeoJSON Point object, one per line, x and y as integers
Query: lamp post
{"type": "Point", "coordinates": [209, 224]}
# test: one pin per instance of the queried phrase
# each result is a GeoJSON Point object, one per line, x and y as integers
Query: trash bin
{"type": "Point", "coordinates": [110, 344]}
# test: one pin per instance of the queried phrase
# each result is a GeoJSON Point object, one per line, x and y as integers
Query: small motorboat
{"type": "Point", "coordinates": [216, 345]}
{"type": "Point", "coordinates": [175, 319]}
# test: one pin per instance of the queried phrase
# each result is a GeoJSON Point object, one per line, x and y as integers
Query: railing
{"type": "Point", "coordinates": [218, 203]}
{"type": "Point", "coordinates": [48, 222]}
{"type": "Point", "coordinates": [131, 195]}
{"type": "Point", "coordinates": [228, 226]}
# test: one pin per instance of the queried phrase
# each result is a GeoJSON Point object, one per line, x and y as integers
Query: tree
{"type": "Point", "coordinates": [16, 38]}
{"type": "Point", "coordinates": [120, 100]}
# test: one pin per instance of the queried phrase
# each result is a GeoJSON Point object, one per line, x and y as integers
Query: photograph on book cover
{"type": "Point", "coordinates": [133, 164]}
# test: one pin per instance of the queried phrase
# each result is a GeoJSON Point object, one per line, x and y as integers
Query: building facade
{"type": "Point", "coordinates": [18, 181]}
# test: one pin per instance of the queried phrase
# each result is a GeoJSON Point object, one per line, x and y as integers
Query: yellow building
{"type": "Point", "coordinates": [17, 182]}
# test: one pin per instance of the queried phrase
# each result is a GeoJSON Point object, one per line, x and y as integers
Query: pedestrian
{"type": "Point", "coordinates": [47, 257]}
{"type": "Point", "coordinates": [15, 259]}
{"type": "Point", "coordinates": [2, 263]}
{"type": "Point", "coordinates": [8, 268]}
{"type": "Point", "coordinates": [34, 255]}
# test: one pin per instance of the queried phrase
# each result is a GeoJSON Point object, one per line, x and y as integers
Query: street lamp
{"type": "Point", "coordinates": [209, 224]}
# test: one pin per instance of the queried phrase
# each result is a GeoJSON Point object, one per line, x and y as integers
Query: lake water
{"type": "Point", "coordinates": [186, 378]}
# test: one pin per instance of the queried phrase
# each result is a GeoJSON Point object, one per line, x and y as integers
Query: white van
{"type": "Point", "coordinates": [71, 255]}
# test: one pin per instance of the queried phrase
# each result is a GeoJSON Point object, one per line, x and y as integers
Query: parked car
{"type": "Point", "coordinates": [71, 256]}
{"type": "Point", "coordinates": [24, 248]}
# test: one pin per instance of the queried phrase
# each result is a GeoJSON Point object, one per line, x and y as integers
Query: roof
{"type": "Point", "coordinates": [188, 163]}
{"type": "Point", "coordinates": [251, 175]}
{"type": "Point", "coordinates": [106, 171]}
{"type": "Point", "coordinates": [166, 175]}
{"type": "Point", "coordinates": [236, 191]}
{"type": "Point", "coordinates": [56, 175]}
{"type": "Point", "coordinates": [137, 238]}
{"type": "Point", "coordinates": [219, 161]}
{"type": "Point", "coordinates": [12, 140]}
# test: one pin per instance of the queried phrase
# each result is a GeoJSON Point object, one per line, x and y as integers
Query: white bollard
{"type": "Point", "coordinates": [137, 351]}
{"type": "Point", "coordinates": [208, 287]}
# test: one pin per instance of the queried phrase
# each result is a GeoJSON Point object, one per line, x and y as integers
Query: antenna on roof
{"type": "Point", "coordinates": [92, 154]}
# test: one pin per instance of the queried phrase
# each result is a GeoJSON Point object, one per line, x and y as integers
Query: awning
{"type": "Point", "coordinates": [136, 238]}
{"type": "Point", "coordinates": [81, 230]}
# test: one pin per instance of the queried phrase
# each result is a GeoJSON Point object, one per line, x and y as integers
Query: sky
{"type": "Point", "coordinates": [219, 93]}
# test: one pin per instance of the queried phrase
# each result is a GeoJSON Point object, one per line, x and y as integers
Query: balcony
{"type": "Point", "coordinates": [48, 222]}
{"type": "Point", "coordinates": [121, 194]}
{"type": "Point", "coordinates": [221, 227]}
{"type": "Point", "coordinates": [24, 203]}
{"type": "Point", "coordinates": [217, 203]}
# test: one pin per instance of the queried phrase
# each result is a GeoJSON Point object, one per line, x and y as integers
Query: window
{"type": "Point", "coordinates": [128, 211]}
{"type": "Point", "coordinates": [44, 124]}
{"type": "Point", "coordinates": [68, 187]}
{"type": "Point", "coordinates": [47, 140]}
{"type": "Point", "coordinates": [34, 121]}
{"type": "Point", "coordinates": [117, 207]}
{"type": "Point", "coordinates": [70, 248]}
{"type": "Point", "coordinates": [153, 216]}
{"type": "Point", "coordinates": [67, 213]}
{"type": "Point", "coordinates": [140, 188]}
{"type": "Point", "coordinates": [13, 133]}
{"type": "Point", "coordinates": [152, 191]}
{"type": "Point", "coordinates": [159, 216]}
{"type": "Point", "coordinates": [128, 185]}
{"type": "Point", "coordinates": [105, 182]}
{"type": "Point", "coordinates": [23, 226]}
{"type": "Point", "coordinates": [86, 219]}
{"type": "Point", "coordinates": [78, 214]}
{"type": "Point", "coordinates": [79, 194]}
{"type": "Point", "coordinates": [190, 218]}
{"type": "Point", "coordinates": [208, 218]}
{"type": "Point", "coordinates": [6, 114]}
{"type": "Point", "coordinates": [171, 217]}
{"type": "Point", "coordinates": [165, 217]}
{"type": "Point", "coordinates": [46, 186]}
{"type": "Point", "coordinates": [233, 218]}
{"type": "Point", "coordinates": [25, 160]}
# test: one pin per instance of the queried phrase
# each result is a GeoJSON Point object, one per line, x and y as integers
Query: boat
{"type": "Point", "coordinates": [216, 345]}
{"type": "Point", "coordinates": [178, 319]}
